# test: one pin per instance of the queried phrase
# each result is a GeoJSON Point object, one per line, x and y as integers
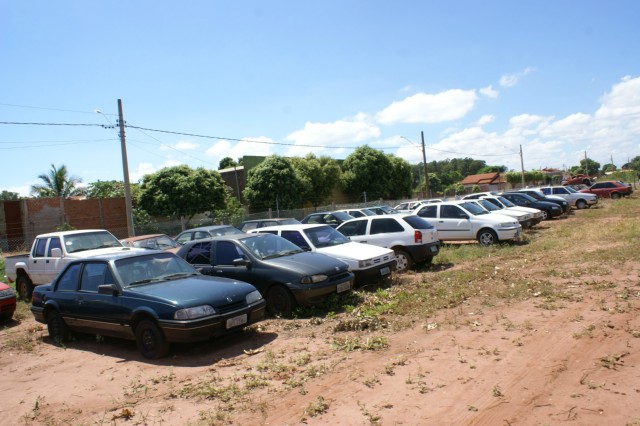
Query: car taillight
{"type": "Point", "coordinates": [417, 236]}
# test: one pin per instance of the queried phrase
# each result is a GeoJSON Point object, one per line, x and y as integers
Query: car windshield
{"type": "Point", "coordinates": [488, 205]}
{"type": "Point", "coordinates": [570, 189]}
{"type": "Point", "coordinates": [506, 202]}
{"type": "Point", "coordinates": [226, 230]}
{"type": "Point", "coordinates": [152, 268]}
{"type": "Point", "coordinates": [535, 194]}
{"type": "Point", "coordinates": [473, 208]}
{"type": "Point", "coordinates": [269, 246]}
{"type": "Point", "coordinates": [163, 242]}
{"type": "Point", "coordinates": [90, 241]}
{"type": "Point", "coordinates": [325, 236]}
{"type": "Point", "coordinates": [368, 212]}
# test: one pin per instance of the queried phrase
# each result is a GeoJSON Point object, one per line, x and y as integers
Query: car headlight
{"type": "Point", "coordinates": [310, 279]}
{"type": "Point", "coordinates": [193, 313]}
{"type": "Point", "coordinates": [365, 263]}
{"type": "Point", "coordinates": [253, 297]}
{"type": "Point", "coordinates": [555, 208]}
{"type": "Point", "coordinates": [7, 293]}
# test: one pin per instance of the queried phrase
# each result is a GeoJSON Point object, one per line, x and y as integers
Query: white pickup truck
{"type": "Point", "coordinates": [51, 252]}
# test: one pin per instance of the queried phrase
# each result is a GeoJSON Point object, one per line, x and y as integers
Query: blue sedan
{"type": "Point", "coordinates": [154, 298]}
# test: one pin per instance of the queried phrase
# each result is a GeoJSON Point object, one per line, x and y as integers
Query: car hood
{"type": "Point", "coordinates": [196, 290]}
{"type": "Point", "coordinates": [356, 251]}
{"type": "Point", "coordinates": [309, 263]}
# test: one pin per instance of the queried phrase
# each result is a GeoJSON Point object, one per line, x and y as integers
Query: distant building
{"type": "Point", "coordinates": [486, 182]}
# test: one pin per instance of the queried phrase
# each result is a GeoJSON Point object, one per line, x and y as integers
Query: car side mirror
{"type": "Point", "coordinates": [465, 216]}
{"type": "Point", "coordinates": [110, 289]}
{"type": "Point", "coordinates": [56, 252]}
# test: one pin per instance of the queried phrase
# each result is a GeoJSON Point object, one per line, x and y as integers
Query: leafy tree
{"type": "Point", "coordinates": [317, 177]}
{"type": "Point", "coordinates": [634, 164]}
{"type": "Point", "coordinates": [226, 163]}
{"type": "Point", "coordinates": [105, 189]}
{"type": "Point", "coordinates": [400, 179]}
{"type": "Point", "coordinates": [514, 178]}
{"type": "Point", "coordinates": [435, 184]}
{"type": "Point", "coordinates": [57, 183]}
{"type": "Point", "coordinates": [609, 167]}
{"type": "Point", "coordinates": [492, 169]}
{"type": "Point", "coordinates": [533, 177]}
{"type": "Point", "coordinates": [592, 167]}
{"type": "Point", "coordinates": [367, 170]}
{"type": "Point", "coordinates": [273, 184]}
{"type": "Point", "coordinates": [9, 196]}
{"type": "Point", "coordinates": [182, 192]}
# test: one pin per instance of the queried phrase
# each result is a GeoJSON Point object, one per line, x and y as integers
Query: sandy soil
{"type": "Point", "coordinates": [505, 364]}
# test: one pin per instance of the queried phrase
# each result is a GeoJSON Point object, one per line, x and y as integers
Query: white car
{"type": "Point", "coordinates": [407, 206]}
{"type": "Point", "coordinates": [463, 220]}
{"type": "Point", "coordinates": [579, 200]}
{"type": "Point", "coordinates": [502, 203]}
{"type": "Point", "coordinates": [525, 219]}
{"type": "Point", "coordinates": [358, 212]}
{"type": "Point", "coordinates": [368, 263]}
{"type": "Point", "coordinates": [413, 239]}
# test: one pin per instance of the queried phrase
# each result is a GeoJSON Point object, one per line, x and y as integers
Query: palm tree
{"type": "Point", "coordinates": [57, 183]}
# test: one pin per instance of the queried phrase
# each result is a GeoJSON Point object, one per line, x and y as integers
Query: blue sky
{"type": "Point", "coordinates": [480, 79]}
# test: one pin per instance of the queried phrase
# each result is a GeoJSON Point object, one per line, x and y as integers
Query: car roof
{"type": "Point", "coordinates": [294, 227]}
{"type": "Point", "coordinates": [209, 228]}
{"type": "Point", "coordinates": [78, 231]}
{"type": "Point", "coordinates": [143, 237]}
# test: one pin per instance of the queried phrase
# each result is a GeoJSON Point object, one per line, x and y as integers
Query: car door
{"type": "Point", "coordinates": [199, 255]}
{"type": "Point", "coordinates": [54, 264]}
{"type": "Point", "coordinates": [37, 262]}
{"type": "Point", "coordinates": [454, 223]}
{"type": "Point", "coordinates": [384, 231]}
{"type": "Point", "coordinates": [356, 230]}
{"type": "Point", "coordinates": [224, 254]}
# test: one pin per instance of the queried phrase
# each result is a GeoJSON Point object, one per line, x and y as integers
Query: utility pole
{"type": "Point", "coordinates": [424, 162]}
{"type": "Point", "coordinates": [125, 169]}
{"type": "Point", "coordinates": [586, 165]}
{"type": "Point", "coordinates": [522, 165]}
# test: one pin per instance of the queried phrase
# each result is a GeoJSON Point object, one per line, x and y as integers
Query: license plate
{"type": "Point", "coordinates": [385, 271]}
{"type": "Point", "coordinates": [236, 321]}
{"type": "Point", "coordinates": [433, 249]}
{"type": "Point", "coordinates": [344, 286]}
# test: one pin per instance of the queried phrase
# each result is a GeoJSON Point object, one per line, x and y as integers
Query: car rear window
{"type": "Point", "coordinates": [417, 222]}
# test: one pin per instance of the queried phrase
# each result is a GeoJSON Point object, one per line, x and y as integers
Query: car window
{"type": "Point", "coordinates": [68, 281]}
{"type": "Point", "coordinates": [226, 253]}
{"type": "Point", "coordinates": [249, 226]}
{"type": "Point", "coordinates": [353, 228]}
{"type": "Point", "coordinates": [198, 235]}
{"type": "Point", "coordinates": [184, 237]}
{"type": "Point", "coordinates": [199, 253]}
{"type": "Point", "coordinates": [428, 211]}
{"type": "Point", "coordinates": [94, 275]}
{"type": "Point", "coordinates": [40, 247]}
{"type": "Point", "coordinates": [54, 243]}
{"type": "Point", "coordinates": [417, 222]}
{"type": "Point", "coordinates": [452, 212]}
{"type": "Point", "coordinates": [384, 226]}
{"type": "Point", "coordinates": [296, 238]}
{"type": "Point", "coordinates": [316, 218]}
{"type": "Point", "coordinates": [355, 213]}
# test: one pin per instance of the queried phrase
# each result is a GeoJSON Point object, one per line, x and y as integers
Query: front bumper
{"type": "Point", "coordinates": [204, 329]}
{"type": "Point", "coordinates": [375, 273]}
{"type": "Point", "coordinates": [308, 294]}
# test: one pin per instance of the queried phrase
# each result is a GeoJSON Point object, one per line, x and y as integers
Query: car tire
{"type": "Point", "coordinates": [545, 214]}
{"type": "Point", "coordinates": [280, 301]}
{"type": "Point", "coordinates": [403, 261]}
{"type": "Point", "coordinates": [24, 287]}
{"type": "Point", "coordinates": [150, 340]}
{"type": "Point", "coordinates": [486, 237]}
{"type": "Point", "coordinates": [581, 204]}
{"type": "Point", "coordinates": [58, 330]}
{"type": "Point", "coordinates": [615, 196]}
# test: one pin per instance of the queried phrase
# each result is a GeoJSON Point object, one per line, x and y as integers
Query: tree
{"type": "Point", "coordinates": [57, 183]}
{"type": "Point", "coordinates": [400, 178]}
{"type": "Point", "coordinates": [105, 189]}
{"type": "Point", "coordinates": [492, 169]}
{"type": "Point", "coordinates": [317, 176]}
{"type": "Point", "coordinates": [592, 167]}
{"type": "Point", "coordinates": [226, 163]}
{"type": "Point", "coordinates": [182, 192]}
{"type": "Point", "coordinates": [273, 184]}
{"type": "Point", "coordinates": [9, 196]}
{"type": "Point", "coordinates": [367, 170]}
{"type": "Point", "coordinates": [609, 167]}
{"type": "Point", "coordinates": [513, 178]}
{"type": "Point", "coordinates": [634, 164]}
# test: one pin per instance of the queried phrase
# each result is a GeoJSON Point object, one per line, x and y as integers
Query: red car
{"type": "Point", "coordinates": [610, 189]}
{"type": "Point", "coordinates": [7, 302]}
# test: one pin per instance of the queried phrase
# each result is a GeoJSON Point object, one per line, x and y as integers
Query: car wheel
{"type": "Point", "coordinates": [24, 287]}
{"type": "Point", "coordinates": [403, 261]}
{"type": "Point", "coordinates": [615, 196]}
{"type": "Point", "coordinates": [545, 214]}
{"type": "Point", "coordinates": [280, 301]}
{"type": "Point", "coordinates": [58, 330]}
{"type": "Point", "coordinates": [486, 237]}
{"type": "Point", "coordinates": [581, 204]}
{"type": "Point", "coordinates": [150, 340]}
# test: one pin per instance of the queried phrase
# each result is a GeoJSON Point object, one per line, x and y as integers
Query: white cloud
{"type": "Point", "coordinates": [180, 146]}
{"type": "Point", "coordinates": [510, 80]}
{"type": "Point", "coordinates": [486, 119]}
{"type": "Point", "coordinates": [260, 145]}
{"type": "Point", "coordinates": [141, 170]}
{"type": "Point", "coordinates": [429, 108]}
{"type": "Point", "coordinates": [489, 92]}
{"type": "Point", "coordinates": [319, 137]}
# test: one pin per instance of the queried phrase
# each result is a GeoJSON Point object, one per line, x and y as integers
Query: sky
{"type": "Point", "coordinates": [206, 79]}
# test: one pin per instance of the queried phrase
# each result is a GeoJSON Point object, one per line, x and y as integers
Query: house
{"type": "Point", "coordinates": [485, 181]}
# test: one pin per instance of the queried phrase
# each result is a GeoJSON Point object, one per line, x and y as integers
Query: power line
{"type": "Point", "coordinates": [54, 124]}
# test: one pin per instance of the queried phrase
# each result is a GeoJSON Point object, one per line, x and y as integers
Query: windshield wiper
{"type": "Point", "coordinates": [145, 281]}
{"type": "Point", "coordinates": [177, 275]}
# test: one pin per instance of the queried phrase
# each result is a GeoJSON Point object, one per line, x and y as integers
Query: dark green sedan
{"type": "Point", "coordinates": [154, 298]}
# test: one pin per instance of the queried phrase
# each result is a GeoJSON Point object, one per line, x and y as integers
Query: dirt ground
{"type": "Point", "coordinates": [475, 364]}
